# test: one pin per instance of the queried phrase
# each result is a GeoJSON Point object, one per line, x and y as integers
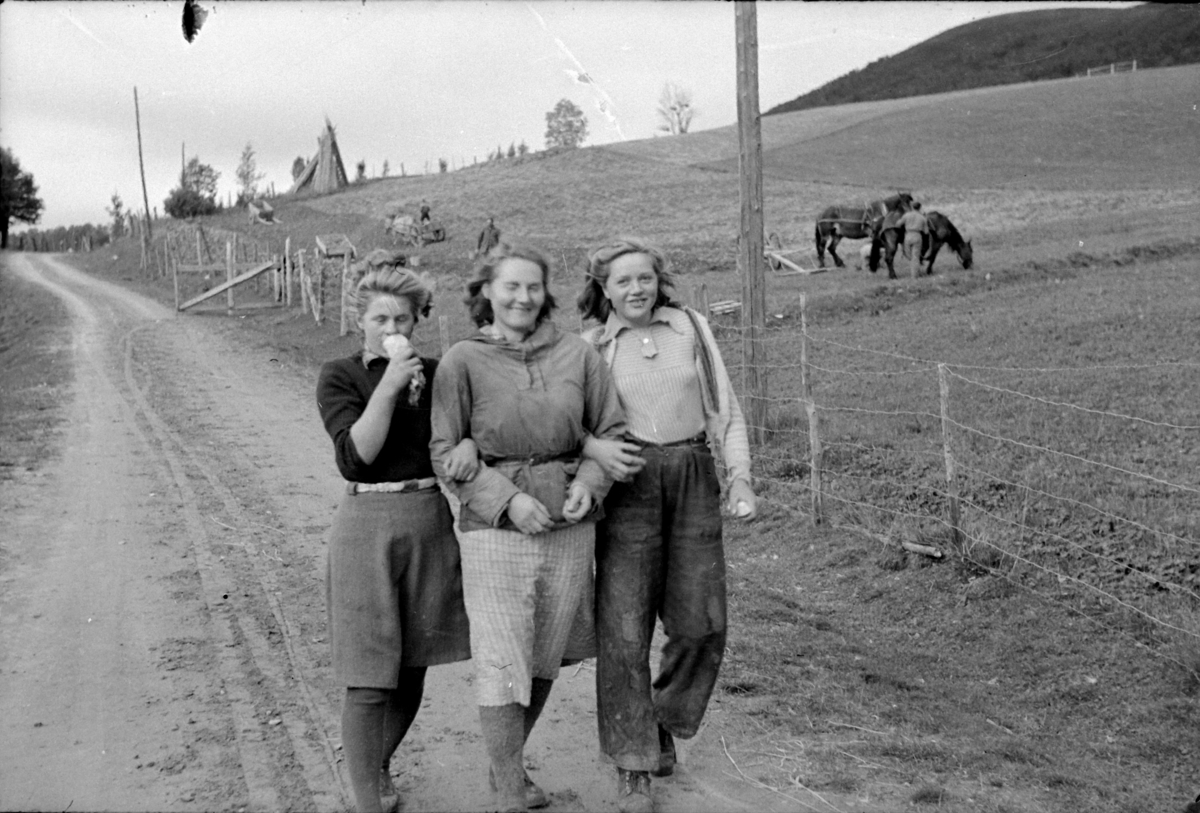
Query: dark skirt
{"type": "Point", "coordinates": [394, 587]}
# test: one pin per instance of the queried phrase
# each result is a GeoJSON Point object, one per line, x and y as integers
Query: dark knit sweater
{"type": "Point", "coordinates": [343, 389]}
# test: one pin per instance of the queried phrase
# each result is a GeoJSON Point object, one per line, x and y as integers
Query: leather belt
{"type": "Point", "coordinates": [391, 488]}
{"type": "Point", "coordinates": [696, 440]}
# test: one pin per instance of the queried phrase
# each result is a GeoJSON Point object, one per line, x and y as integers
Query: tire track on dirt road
{"type": "Point", "coordinates": [280, 767]}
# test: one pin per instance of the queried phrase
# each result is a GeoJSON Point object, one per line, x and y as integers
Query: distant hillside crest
{"type": "Point", "coordinates": [1024, 46]}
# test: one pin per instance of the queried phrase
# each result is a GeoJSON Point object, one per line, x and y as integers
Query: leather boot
{"type": "Point", "coordinates": [633, 792]}
{"type": "Point", "coordinates": [504, 735]}
{"type": "Point", "coordinates": [666, 754]}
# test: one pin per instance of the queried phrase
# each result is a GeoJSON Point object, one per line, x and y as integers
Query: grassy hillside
{"type": "Point", "coordinates": [1021, 47]}
{"type": "Point", "coordinates": [1002, 162]}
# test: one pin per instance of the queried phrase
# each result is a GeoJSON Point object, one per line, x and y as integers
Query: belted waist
{"type": "Point", "coordinates": [533, 459]}
{"type": "Point", "coordinates": [391, 488]}
{"type": "Point", "coordinates": [696, 440]}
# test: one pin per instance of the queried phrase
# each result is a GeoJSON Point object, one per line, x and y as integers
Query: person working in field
{"type": "Point", "coordinates": [916, 234]}
{"type": "Point", "coordinates": [394, 587]}
{"type": "Point", "coordinates": [425, 217]}
{"type": "Point", "coordinates": [488, 238]}
{"type": "Point", "coordinates": [659, 549]}
{"type": "Point", "coordinates": [528, 395]}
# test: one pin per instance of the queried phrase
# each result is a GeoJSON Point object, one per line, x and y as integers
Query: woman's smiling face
{"type": "Point", "coordinates": [517, 293]}
{"type": "Point", "coordinates": [632, 288]}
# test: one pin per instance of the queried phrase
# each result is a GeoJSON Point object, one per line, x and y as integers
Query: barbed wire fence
{"type": "Point", "coordinates": [1007, 470]}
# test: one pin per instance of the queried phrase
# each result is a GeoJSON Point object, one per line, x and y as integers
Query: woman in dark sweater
{"type": "Point", "coordinates": [394, 588]}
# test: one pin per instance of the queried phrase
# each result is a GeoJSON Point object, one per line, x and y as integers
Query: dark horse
{"type": "Point", "coordinates": [854, 223]}
{"type": "Point", "coordinates": [941, 232]}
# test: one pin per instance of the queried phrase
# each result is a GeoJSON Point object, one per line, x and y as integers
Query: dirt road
{"type": "Point", "coordinates": [161, 602]}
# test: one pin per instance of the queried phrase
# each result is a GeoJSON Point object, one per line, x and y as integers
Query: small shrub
{"type": "Point", "coordinates": [930, 795]}
{"type": "Point", "coordinates": [183, 203]}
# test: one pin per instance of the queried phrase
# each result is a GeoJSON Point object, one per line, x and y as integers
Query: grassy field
{"type": "Point", "coordinates": [1050, 663]}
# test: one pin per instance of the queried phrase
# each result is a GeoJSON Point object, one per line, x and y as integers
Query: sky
{"type": "Point", "coordinates": [403, 81]}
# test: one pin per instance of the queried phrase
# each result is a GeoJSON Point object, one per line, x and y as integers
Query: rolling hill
{"type": "Point", "coordinates": [1020, 47]}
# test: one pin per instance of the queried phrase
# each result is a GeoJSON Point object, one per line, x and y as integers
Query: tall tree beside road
{"type": "Point", "coordinates": [18, 195]}
{"type": "Point", "coordinates": [566, 126]}
{"type": "Point", "coordinates": [675, 109]}
{"type": "Point", "coordinates": [248, 175]}
{"type": "Point", "coordinates": [117, 212]}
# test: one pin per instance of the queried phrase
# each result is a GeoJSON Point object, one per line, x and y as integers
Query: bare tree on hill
{"type": "Point", "coordinates": [675, 109]}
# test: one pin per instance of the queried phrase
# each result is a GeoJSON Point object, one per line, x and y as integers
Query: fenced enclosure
{"type": "Point", "coordinates": [1001, 467]}
{"type": "Point", "coordinates": [1021, 473]}
{"type": "Point", "coordinates": [1113, 67]}
{"type": "Point", "coordinates": [205, 262]}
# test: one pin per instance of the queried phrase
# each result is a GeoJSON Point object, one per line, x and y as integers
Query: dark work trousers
{"type": "Point", "coordinates": [659, 554]}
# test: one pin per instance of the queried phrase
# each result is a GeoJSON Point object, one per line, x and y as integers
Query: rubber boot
{"type": "Point", "coordinates": [504, 735]}
{"type": "Point", "coordinates": [539, 693]}
{"type": "Point", "coordinates": [362, 744]}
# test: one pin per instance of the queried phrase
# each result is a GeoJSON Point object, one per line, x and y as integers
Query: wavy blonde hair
{"type": "Point", "coordinates": [592, 302]}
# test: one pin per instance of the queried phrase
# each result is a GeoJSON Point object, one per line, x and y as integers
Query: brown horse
{"type": "Point", "coordinates": [854, 223]}
{"type": "Point", "coordinates": [941, 232]}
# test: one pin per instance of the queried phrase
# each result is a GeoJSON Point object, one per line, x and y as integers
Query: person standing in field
{"type": "Point", "coordinates": [916, 233]}
{"type": "Point", "coordinates": [488, 238]}
{"type": "Point", "coordinates": [659, 549]}
{"type": "Point", "coordinates": [425, 217]}
{"type": "Point", "coordinates": [528, 395]}
{"type": "Point", "coordinates": [394, 585]}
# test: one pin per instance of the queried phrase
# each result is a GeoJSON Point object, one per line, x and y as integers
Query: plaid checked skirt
{"type": "Point", "coordinates": [522, 595]}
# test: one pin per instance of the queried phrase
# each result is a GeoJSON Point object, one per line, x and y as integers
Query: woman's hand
{"type": "Point", "coordinates": [616, 458]}
{"type": "Point", "coordinates": [742, 502]}
{"type": "Point", "coordinates": [462, 464]}
{"type": "Point", "coordinates": [578, 504]}
{"type": "Point", "coordinates": [529, 515]}
{"type": "Point", "coordinates": [400, 370]}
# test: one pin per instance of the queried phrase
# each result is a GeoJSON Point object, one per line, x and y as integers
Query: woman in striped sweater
{"type": "Point", "coordinates": [659, 551]}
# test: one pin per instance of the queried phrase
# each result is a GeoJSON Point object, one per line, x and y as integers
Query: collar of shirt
{"type": "Point", "coordinates": [672, 317]}
{"type": "Point", "coordinates": [368, 357]}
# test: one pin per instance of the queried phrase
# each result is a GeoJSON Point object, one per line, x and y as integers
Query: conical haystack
{"type": "Point", "coordinates": [325, 172]}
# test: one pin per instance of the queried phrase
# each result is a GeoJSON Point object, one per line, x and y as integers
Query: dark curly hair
{"type": "Point", "coordinates": [485, 271]}
{"type": "Point", "coordinates": [592, 302]}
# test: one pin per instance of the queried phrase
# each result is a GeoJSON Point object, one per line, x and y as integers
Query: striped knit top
{"type": "Point", "coordinates": [655, 371]}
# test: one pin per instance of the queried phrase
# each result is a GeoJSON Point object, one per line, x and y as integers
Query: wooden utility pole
{"type": "Point", "coordinates": [137, 113]}
{"type": "Point", "coordinates": [750, 241]}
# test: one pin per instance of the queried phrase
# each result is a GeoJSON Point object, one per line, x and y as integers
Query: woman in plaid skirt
{"type": "Point", "coordinates": [528, 395]}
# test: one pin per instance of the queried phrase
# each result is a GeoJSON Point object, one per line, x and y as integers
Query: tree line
{"type": "Point", "coordinates": [196, 193]}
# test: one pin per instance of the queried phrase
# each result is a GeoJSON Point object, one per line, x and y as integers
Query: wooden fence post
{"type": "Point", "coordinates": [951, 482]}
{"type": "Point", "coordinates": [303, 280]}
{"type": "Point", "coordinates": [229, 249]}
{"type": "Point", "coordinates": [175, 273]}
{"type": "Point", "coordinates": [815, 452]}
{"type": "Point", "coordinates": [750, 233]}
{"type": "Point", "coordinates": [288, 271]}
{"type": "Point", "coordinates": [343, 292]}
{"type": "Point", "coordinates": [444, 333]}
{"type": "Point", "coordinates": [319, 290]}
